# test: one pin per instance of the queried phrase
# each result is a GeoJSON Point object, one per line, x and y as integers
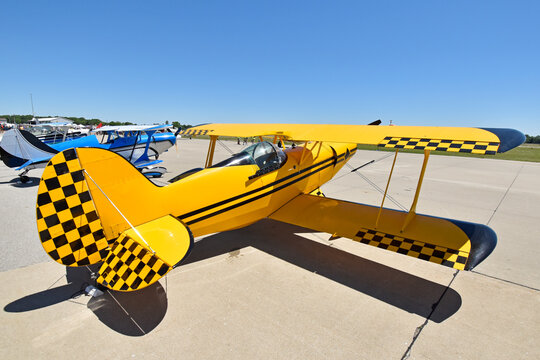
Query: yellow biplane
{"type": "Point", "coordinates": [87, 212]}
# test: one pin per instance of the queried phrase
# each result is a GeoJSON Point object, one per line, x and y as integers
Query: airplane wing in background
{"type": "Point", "coordinates": [452, 139]}
{"type": "Point", "coordinates": [127, 128]}
{"type": "Point", "coordinates": [457, 244]}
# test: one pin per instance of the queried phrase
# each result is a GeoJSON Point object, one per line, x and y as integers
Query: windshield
{"type": "Point", "coordinates": [42, 130]}
{"type": "Point", "coordinates": [262, 154]}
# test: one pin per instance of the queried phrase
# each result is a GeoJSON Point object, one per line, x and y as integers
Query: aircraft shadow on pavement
{"type": "Point", "coordinates": [50, 296]}
{"type": "Point", "coordinates": [397, 288]}
{"type": "Point", "coordinates": [131, 314]}
{"type": "Point", "coordinates": [16, 182]}
{"type": "Point", "coordinates": [138, 313]}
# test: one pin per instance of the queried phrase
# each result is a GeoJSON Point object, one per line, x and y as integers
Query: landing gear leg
{"type": "Point", "coordinates": [23, 177]}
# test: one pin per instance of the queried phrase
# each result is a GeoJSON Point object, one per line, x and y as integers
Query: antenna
{"type": "Point", "coordinates": [32, 102]}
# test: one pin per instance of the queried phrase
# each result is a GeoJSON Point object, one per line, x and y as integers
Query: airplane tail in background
{"type": "Point", "coordinates": [79, 222]}
{"type": "Point", "coordinates": [19, 146]}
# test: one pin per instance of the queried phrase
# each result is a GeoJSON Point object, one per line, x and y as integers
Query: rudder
{"type": "Point", "coordinates": [68, 224]}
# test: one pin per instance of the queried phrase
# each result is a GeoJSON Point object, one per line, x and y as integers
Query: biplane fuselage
{"type": "Point", "coordinates": [233, 200]}
{"type": "Point", "coordinates": [218, 198]}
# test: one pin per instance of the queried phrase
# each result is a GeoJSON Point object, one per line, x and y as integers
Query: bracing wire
{"type": "Point", "coordinates": [117, 209]}
{"type": "Point", "coordinates": [225, 146]}
{"type": "Point", "coordinates": [366, 179]}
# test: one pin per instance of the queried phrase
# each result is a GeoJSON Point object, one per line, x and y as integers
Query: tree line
{"type": "Point", "coordinates": [532, 139]}
{"type": "Point", "coordinates": [24, 119]}
{"type": "Point", "coordinates": [177, 125]}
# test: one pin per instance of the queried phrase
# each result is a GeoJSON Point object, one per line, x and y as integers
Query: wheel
{"type": "Point", "coordinates": [24, 179]}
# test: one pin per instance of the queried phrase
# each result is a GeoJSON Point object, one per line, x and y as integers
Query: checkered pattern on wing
{"type": "Point", "coordinates": [130, 266]}
{"type": "Point", "coordinates": [444, 256]}
{"type": "Point", "coordinates": [194, 132]}
{"type": "Point", "coordinates": [68, 224]}
{"type": "Point", "coordinates": [474, 147]}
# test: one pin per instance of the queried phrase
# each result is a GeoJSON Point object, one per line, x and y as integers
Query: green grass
{"type": "Point", "coordinates": [525, 152]}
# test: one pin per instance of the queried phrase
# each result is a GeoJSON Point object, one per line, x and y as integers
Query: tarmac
{"type": "Point", "coordinates": [276, 291]}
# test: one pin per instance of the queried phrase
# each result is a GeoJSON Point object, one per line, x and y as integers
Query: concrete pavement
{"type": "Point", "coordinates": [273, 290]}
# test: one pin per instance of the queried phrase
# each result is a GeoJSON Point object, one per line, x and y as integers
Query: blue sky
{"type": "Point", "coordinates": [446, 63]}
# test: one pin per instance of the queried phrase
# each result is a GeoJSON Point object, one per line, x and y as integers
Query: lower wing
{"type": "Point", "coordinates": [457, 244]}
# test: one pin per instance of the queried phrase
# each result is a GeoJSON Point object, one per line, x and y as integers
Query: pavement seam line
{"type": "Point", "coordinates": [504, 196]}
{"type": "Point", "coordinates": [504, 280]}
{"type": "Point", "coordinates": [419, 329]}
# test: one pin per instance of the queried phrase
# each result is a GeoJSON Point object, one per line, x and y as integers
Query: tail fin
{"type": "Point", "coordinates": [19, 146]}
{"type": "Point", "coordinates": [68, 224]}
{"type": "Point", "coordinates": [79, 224]}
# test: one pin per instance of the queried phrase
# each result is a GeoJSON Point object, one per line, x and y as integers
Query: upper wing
{"type": "Point", "coordinates": [452, 243]}
{"type": "Point", "coordinates": [454, 139]}
{"type": "Point", "coordinates": [108, 128]}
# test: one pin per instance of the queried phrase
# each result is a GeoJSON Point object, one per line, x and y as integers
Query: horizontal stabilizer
{"type": "Point", "coordinates": [143, 255]}
{"type": "Point", "coordinates": [457, 244]}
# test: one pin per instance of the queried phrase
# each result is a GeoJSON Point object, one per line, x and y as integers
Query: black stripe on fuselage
{"type": "Point", "coordinates": [259, 196]}
{"type": "Point", "coordinates": [223, 202]}
{"type": "Point", "coordinates": [260, 189]}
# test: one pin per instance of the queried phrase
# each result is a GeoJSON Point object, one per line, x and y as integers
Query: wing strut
{"type": "Point", "coordinates": [211, 148]}
{"type": "Point", "coordinates": [386, 190]}
{"type": "Point", "coordinates": [134, 146]}
{"type": "Point", "coordinates": [303, 153]}
{"type": "Point", "coordinates": [412, 212]}
{"type": "Point", "coordinates": [278, 139]}
{"type": "Point", "coordinates": [305, 148]}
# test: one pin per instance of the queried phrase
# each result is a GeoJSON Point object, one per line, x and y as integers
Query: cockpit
{"type": "Point", "coordinates": [267, 156]}
{"type": "Point", "coordinates": [263, 154]}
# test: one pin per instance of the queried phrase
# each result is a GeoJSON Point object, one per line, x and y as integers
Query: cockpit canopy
{"type": "Point", "coordinates": [263, 154]}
